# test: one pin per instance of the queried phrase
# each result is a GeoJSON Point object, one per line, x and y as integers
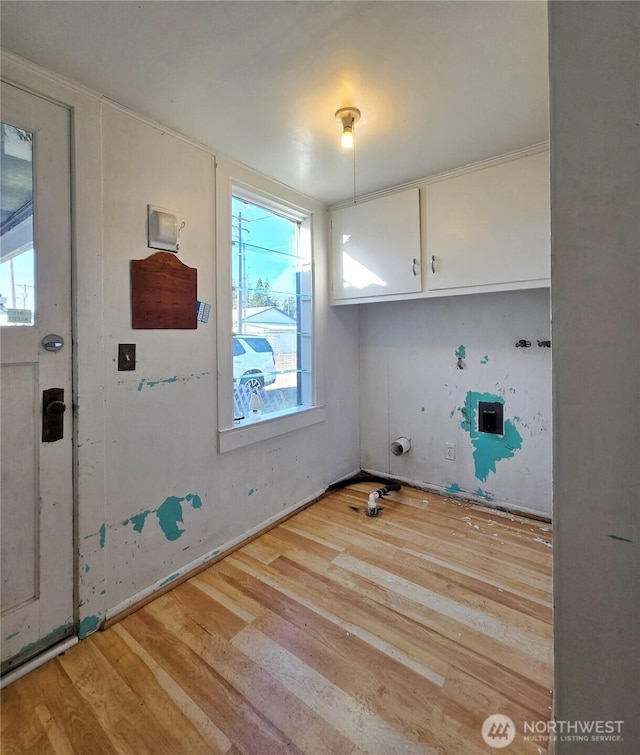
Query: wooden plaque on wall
{"type": "Point", "coordinates": [163, 293]}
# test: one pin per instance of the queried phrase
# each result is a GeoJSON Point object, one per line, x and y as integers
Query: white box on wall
{"type": "Point", "coordinates": [162, 229]}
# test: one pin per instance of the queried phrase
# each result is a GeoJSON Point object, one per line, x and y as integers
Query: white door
{"type": "Point", "coordinates": [35, 302]}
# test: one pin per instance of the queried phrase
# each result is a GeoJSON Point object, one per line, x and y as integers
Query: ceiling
{"type": "Point", "coordinates": [439, 84]}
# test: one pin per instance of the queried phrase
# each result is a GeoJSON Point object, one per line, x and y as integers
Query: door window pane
{"type": "Point", "coordinates": [17, 253]}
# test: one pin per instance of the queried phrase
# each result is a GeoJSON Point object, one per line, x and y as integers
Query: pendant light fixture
{"type": "Point", "coordinates": [349, 116]}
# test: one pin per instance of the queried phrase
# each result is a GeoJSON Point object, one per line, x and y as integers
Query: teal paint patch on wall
{"type": "Point", "coordinates": [461, 352]}
{"type": "Point", "coordinates": [169, 515]}
{"type": "Point", "coordinates": [147, 383]}
{"type": "Point", "coordinates": [488, 449]}
{"type": "Point", "coordinates": [251, 491]}
{"type": "Point", "coordinates": [453, 488]}
{"type": "Point", "coordinates": [88, 625]}
{"type": "Point", "coordinates": [194, 500]}
{"type": "Point", "coordinates": [103, 535]}
{"type": "Point", "coordinates": [484, 359]}
{"type": "Point", "coordinates": [483, 494]}
{"type": "Point", "coordinates": [139, 519]}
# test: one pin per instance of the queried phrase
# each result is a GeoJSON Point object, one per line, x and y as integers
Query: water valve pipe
{"type": "Point", "coordinates": [400, 446]}
{"type": "Point", "coordinates": [372, 503]}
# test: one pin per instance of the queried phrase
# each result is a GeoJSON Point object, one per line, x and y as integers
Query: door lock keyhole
{"type": "Point", "coordinates": [53, 409]}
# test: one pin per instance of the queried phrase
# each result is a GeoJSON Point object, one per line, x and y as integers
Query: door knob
{"type": "Point", "coordinates": [53, 409]}
{"type": "Point", "coordinates": [56, 408]}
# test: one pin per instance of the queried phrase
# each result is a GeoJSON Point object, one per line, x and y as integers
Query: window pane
{"type": "Point", "coordinates": [17, 255]}
{"type": "Point", "coordinates": [271, 311]}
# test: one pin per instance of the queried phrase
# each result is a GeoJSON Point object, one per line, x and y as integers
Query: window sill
{"type": "Point", "coordinates": [249, 432]}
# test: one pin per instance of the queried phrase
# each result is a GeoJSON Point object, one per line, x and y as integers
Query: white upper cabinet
{"type": "Point", "coordinates": [376, 247]}
{"type": "Point", "coordinates": [489, 230]}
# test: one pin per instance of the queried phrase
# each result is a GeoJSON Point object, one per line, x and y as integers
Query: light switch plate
{"type": "Point", "coordinates": [126, 356]}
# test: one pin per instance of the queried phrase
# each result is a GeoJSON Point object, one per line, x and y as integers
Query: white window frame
{"type": "Point", "coordinates": [236, 179]}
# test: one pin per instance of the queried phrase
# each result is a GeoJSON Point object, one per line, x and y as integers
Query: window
{"type": "Point", "coordinates": [268, 337]}
{"type": "Point", "coordinates": [271, 310]}
{"type": "Point", "coordinates": [17, 254]}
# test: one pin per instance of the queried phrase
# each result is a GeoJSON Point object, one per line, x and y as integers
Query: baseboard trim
{"type": "Point", "coordinates": [140, 599]}
{"type": "Point", "coordinates": [37, 661]}
{"type": "Point", "coordinates": [462, 495]}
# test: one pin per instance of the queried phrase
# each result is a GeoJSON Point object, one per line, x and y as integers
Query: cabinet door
{"type": "Point", "coordinates": [376, 247]}
{"type": "Point", "coordinates": [490, 229]}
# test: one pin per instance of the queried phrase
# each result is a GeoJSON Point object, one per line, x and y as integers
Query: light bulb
{"type": "Point", "coordinates": [347, 137]}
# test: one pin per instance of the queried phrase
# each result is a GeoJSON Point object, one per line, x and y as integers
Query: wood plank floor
{"type": "Point", "coordinates": [331, 633]}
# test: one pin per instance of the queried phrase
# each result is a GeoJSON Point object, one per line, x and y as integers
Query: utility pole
{"type": "Point", "coordinates": [240, 274]}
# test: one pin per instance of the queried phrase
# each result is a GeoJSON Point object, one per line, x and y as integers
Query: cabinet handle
{"type": "Point", "coordinates": [433, 263]}
{"type": "Point", "coordinates": [413, 267]}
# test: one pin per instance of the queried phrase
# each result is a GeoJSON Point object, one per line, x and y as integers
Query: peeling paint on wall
{"type": "Point", "coordinates": [169, 514]}
{"type": "Point", "coordinates": [484, 359]}
{"type": "Point", "coordinates": [169, 579]}
{"type": "Point", "coordinates": [453, 488]}
{"type": "Point", "coordinates": [88, 625]}
{"type": "Point", "coordinates": [488, 449]}
{"type": "Point", "coordinates": [139, 519]}
{"type": "Point", "coordinates": [461, 352]}
{"type": "Point", "coordinates": [617, 537]}
{"type": "Point", "coordinates": [103, 535]}
{"type": "Point", "coordinates": [147, 383]}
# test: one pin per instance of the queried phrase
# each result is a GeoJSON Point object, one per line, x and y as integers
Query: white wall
{"type": "Point", "coordinates": [146, 441]}
{"type": "Point", "coordinates": [410, 385]}
{"type": "Point", "coordinates": [161, 428]}
{"type": "Point", "coordinates": [595, 107]}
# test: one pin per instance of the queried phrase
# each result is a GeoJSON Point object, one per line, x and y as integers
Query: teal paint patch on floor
{"type": "Point", "coordinates": [488, 449]}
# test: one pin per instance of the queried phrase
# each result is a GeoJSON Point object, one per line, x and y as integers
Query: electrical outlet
{"type": "Point", "coordinates": [450, 451]}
